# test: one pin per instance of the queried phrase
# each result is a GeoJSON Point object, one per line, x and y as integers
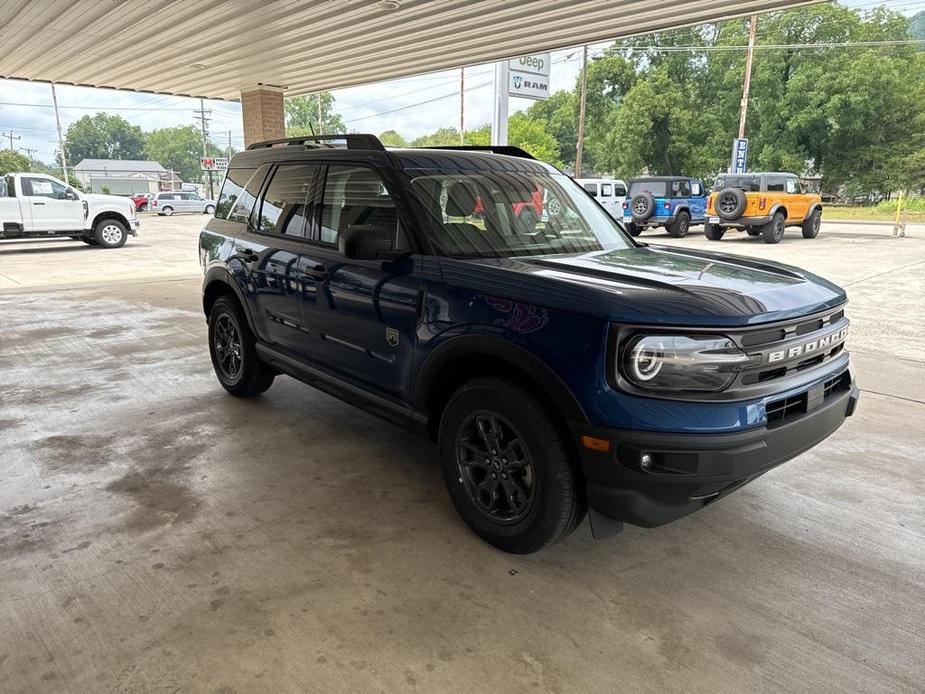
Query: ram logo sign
{"type": "Point", "coordinates": [529, 76]}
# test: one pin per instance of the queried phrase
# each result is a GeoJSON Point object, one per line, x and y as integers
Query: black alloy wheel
{"type": "Point", "coordinates": [232, 348]}
{"type": "Point", "coordinates": [496, 467]}
{"type": "Point", "coordinates": [226, 341]}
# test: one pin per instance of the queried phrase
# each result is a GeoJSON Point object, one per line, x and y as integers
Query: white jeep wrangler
{"type": "Point", "coordinates": [40, 206]}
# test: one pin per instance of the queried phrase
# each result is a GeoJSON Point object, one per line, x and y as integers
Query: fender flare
{"type": "Point", "coordinates": [220, 275]}
{"type": "Point", "coordinates": [684, 207]}
{"type": "Point", "coordinates": [519, 358]}
{"type": "Point", "coordinates": [778, 207]}
{"type": "Point", "coordinates": [812, 208]}
{"type": "Point", "coordinates": [108, 213]}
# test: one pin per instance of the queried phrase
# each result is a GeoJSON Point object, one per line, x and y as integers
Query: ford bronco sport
{"type": "Point", "coordinates": [673, 202]}
{"type": "Point", "coordinates": [559, 368]}
{"type": "Point", "coordinates": [762, 204]}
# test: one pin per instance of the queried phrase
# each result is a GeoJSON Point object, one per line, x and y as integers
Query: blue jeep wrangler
{"type": "Point", "coordinates": [560, 366]}
{"type": "Point", "coordinates": [673, 202]}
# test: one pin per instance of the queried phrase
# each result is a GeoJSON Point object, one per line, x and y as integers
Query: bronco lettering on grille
{"type": "Point", "coordinates": [820, 343]}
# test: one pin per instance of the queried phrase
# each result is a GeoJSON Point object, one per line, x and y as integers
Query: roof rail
{"type": "Point", "coordinates": [353, 141]}
{"type": "Point", "coordinates": [509, 150]}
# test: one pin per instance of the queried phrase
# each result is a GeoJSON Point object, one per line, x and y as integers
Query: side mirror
{"type": "Point", "coordinates": [71, 194]}
{"type": "Point", "coordinates": [363, 242]}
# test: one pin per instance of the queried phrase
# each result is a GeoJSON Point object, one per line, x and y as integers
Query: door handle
{"type": "Point", "coordinates": [249, 255]}
{"type": "Point", "coordinates": [318, 273]}
{"type": "Point", "coordinates": [38, 203]}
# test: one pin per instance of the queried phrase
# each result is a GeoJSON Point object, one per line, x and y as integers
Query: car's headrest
{"type": "Point", "coordinates": [461, 199]}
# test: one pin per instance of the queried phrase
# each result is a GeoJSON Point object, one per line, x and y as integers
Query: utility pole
{"type": "Point", "coordinates": [747, 82]}
{"type": "Point", "coordinates": [320, 129]}
{"type": "Point", "coordinates": [54, 98]}
{"type": "Point", "coordinates": [201, 114]}
{"type": "Point", "coordinates": [462, 106]}
{"type": "Point", "coordinates": [229, 143]}
{"type": "Point", "coordinates": [580, 146]}
{"type": "Point", "coordinates": [12, 136]}
{"type": "Point", "coordinates": [29, 151]}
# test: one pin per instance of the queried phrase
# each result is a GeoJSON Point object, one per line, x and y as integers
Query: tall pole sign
{"type": "Point", "coordinates": [526, 77]}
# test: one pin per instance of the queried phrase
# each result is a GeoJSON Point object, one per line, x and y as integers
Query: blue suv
{"type": "Point", "coordinates": [673, 202]}
{"type": "Point", "coordinates": [561, 367]}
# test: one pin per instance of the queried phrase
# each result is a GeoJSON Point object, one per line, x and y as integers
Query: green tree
{"type": "Point", "coordinates": [442, 136]}
{"type": "Point", "coordinates": [533, 136]}
{"type": "Point", "coordinates": [13, 162]}
{"type": "Point", "coordinates": [302, 115]}
{"type": "Point", "coordinates": [103, 136]}
{"type": "Point", "coordinates": [392, 138]}
{"type": "Point", "coordinates": [177, 149]}
{"type": "Point", "coordinates": [560, 114]}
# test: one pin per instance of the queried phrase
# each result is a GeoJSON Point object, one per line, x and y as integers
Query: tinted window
{"type": "Point", "coordinates": [658, 188]}
{"type": "Point", "coordinates": [747, 182]}
{"type": "Point", "coordinates": [775, 184]}
{"type": "Point", "coordinates": [288, 200]}
{"type": "Point", "coordinates": [696, 188]}
{"type": "Point", "coordinates": [619, 190]}
{"type": "Point", "coordinates": [792, 185]}
{"type": "Point", "coordinates": [606, 190]}
{"type": "Point", "coordinates": [43, 188]}
{"type": "Point", "coordinates": [244, 205]}
{"type": "Point", "coordinates": [681, 189]}
{"type": "Point", "coordinates": [235, 180]}
{"type": "Point", "coordinates": [355, 196]}
{"type": "Point", "coordinates": [183, 196]}
{"type": "Point", "coordinates": [591, 188]}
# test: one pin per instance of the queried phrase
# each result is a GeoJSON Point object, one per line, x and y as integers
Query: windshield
{"type": "Point", "coordinates": [659, 189]}
{"type": "Point", "coordinates": [746, 183]}
{"type": "Point", "coordinates": [499, 214]}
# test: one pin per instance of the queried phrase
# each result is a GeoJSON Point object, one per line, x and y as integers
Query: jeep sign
{"type": "Point", "coordinates": [528, 76]}
{"type": "Point", "coordinates": [536, 64]}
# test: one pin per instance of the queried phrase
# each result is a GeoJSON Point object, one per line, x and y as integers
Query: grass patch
{"type": "Point", "coordinates": [867, 214]}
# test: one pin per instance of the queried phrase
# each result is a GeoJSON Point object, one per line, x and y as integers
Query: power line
{"type": "Point", "coordinates": [420, 103]}
{"type": "Point", "coordinates": [12, 136]}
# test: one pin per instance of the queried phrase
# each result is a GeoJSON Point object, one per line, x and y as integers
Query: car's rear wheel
{"type": "Point", "coordinates": [507, 467]}
{"type": "Point", "coordinates": [633, 229]}
{"type": "Point", "coordinates": [110, 233]}
{"type": "Point", "coordinates": [167, 211]}
{"type": "Point", "coordinates": [773, 231]}
{"type": "Point", "coordinates": [680, 226]}
{"type": "Point", "coordinates": [751, 231]}
{"type": "Point", "coordinates": [714, 232]}
{"type": "Point", "coordinates": [812, 224]}
{"type": "Point", "coordinates": [233, 351]}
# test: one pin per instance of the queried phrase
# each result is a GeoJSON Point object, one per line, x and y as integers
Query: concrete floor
{"type": "Point", "coordinates": [159, 535]}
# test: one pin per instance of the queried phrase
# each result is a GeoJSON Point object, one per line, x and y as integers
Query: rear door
{"type": "Point", "coordinates": [51, 210]}
{"type": "Point", "coordinates": [271, 246]}
{"type": "Point", "coordinates": [698, 200]}
{"type": "Point", "coordinates": [364, 313]}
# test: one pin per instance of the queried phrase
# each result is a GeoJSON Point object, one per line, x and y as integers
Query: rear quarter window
{"type": "Point", "coordinates": [235, 180]}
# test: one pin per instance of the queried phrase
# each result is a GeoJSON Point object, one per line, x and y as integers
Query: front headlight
{"type": "Point", "coordinates": [701, 363]}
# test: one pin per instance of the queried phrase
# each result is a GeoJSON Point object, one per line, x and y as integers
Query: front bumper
{"type": "Point", "coordinates": [740, 222]}
{"type": "Point", "coordinates": [133, 225]}
{"type": "Point", "coordinates": [689, 471]}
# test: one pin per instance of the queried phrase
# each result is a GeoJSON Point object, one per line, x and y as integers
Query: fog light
{"type": "Point", "coordinates": [645, 461]}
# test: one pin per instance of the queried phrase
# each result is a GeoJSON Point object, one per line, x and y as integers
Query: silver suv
{"type": "Point", "coordinates": [181, 201]}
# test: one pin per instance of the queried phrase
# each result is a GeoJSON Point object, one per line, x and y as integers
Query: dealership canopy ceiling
{"type": "Point", "coordinates": [213, 48]}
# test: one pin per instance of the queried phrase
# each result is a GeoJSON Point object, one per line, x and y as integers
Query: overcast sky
{"type": "Point", "coordinates": [25, 107]}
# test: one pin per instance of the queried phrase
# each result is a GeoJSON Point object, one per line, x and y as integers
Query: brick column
{"type": "Point", "coordinates": [262, 111]}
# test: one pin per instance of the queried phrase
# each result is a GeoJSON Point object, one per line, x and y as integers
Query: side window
{"type": "Point", "coordinates": [793, 186]}
{"type": "Point", "coordinates": [591, 188]}
{"type": "Point", "coordinates": [181, 196]}
{"type": "Point", "coordinates": [696, 188]}
{"type": "Point", "coordinates": [355, 196]}
{"type": "Point", "coordinates": [43, 188]}
{"type": "Point", "coordinates": [619, 190]}
{"type": "Point", "coordinates": [775, 184]}
{"type": "Point", "coordinates": [235, 180]}
{"type": "Point", "coordinates": [606, 190]}
{"type": "Point", "coordinates": [244, 205]}
{"type": "Point", "coordinates": [682, 188]}
{"type": "Point", "coordinates": [288, 201]}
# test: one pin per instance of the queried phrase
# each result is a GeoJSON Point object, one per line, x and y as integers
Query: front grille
{"type": "Point", "coordinates": [785, 408]}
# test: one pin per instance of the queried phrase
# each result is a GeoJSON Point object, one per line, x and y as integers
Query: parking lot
{"type": "Point", "coordinates": [151, 525]}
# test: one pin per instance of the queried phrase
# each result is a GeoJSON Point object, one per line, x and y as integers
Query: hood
{"type": "Point", "coordinates": [654, 284]}
{"type": "Point", "coordinates": [106, 200]}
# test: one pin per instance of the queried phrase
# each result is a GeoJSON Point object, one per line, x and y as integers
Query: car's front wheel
{"type": "Point", "coordinates": [110, 233]}
{"type": "Point", "coordinates": [233, 351]}
{"type": "Point", "coordinates": [812, 224]}
{"type": "Point", "coordinates": [507, 467]}
{"type": "Point", "coordinates": [680, 226]}
{"type": "Point", "coordinates": [167, 211]}
{"type": "Point", "coordinates": [210, 209]}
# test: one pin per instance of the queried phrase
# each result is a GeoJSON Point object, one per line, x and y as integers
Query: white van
{"type": "Point", "coordinates": [610, 192]}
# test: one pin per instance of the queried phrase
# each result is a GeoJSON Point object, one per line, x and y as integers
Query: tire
{"type": "Point", "coordinates": [680, 226]}
{"type": "Point", "coordinates": [812, 224]}
{"type": "Point", "coordinates": [642, 206]}
{"type": "Point", "coordinates": [110, 233]}
{"type": "Point", "coordinates": [729, 204]}
{"type": "Point", "coordinates": [228, 327]}
{"type": "Point", "coordinates": [167, 211]}
{"type": "Point", "coordinates": [773, 231]}
{"type": "Point", "coordinates": [541, 502]}
{"type": "Point", "coordinates": [633, 230]}
{"type": "Point", "coordinates": [714, 232]}
{"type": "Point", "coordinates": [88, 240]}
{"type": "Point", "coordinates": [210, 209]}
{"type": "Point", "coordinates": [751, 231]}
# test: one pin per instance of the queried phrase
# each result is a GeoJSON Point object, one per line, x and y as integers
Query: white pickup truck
{"type": "Point", "coordinates": [40, 206]}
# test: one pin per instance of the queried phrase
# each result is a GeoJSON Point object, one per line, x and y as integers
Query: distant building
{"type": "Point", "coordinates": [125, 176]}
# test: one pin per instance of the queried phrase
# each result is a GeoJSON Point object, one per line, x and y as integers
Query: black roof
{"type": "Point", "coordinates": [663, 178]}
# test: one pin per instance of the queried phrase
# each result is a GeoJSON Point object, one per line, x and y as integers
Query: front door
{"type": "Point", "coordinates": [272, 248]}
{"type": "Point", "coordinates": [363, 312]}
{"type": "Point", "coordinates": [51, 210]}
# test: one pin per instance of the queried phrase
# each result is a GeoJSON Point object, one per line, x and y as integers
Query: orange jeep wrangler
{"type": "Point", "coordinates": [761, 203]}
